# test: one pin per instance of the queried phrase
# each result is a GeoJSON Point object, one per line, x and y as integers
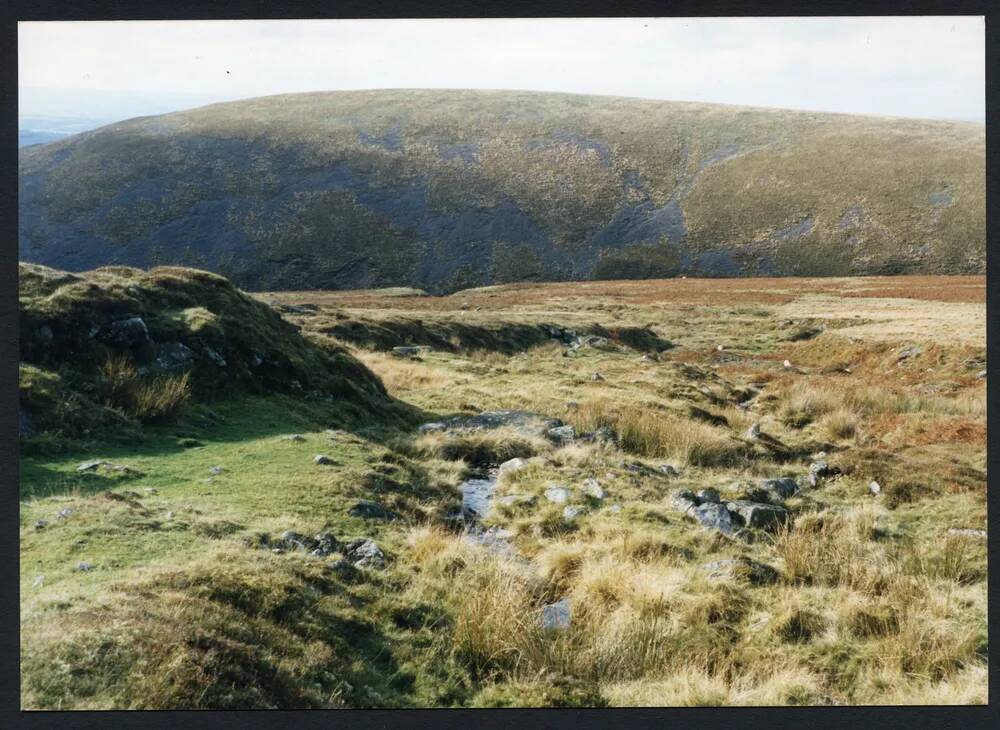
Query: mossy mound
{"type": "Point", "coordinates": [102, 350]}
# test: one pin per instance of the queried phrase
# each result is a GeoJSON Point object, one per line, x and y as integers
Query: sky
{"type": "Point", "coordinates": [932, 67]}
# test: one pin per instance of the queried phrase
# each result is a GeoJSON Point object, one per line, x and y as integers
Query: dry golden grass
{"type": "Point", "coordinates": [144, 398]}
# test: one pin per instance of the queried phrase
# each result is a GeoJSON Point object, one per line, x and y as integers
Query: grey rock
{"type": "Point", "coordinates": [593, 489]}
{"type": "Point", "coordinates": [295, 437]}
{"type": "Point", "coordinates": [779, 489]}
{"type": "Point", "coordinates": [325, 544]}
{"type": "Point", "coordinates": [173, 356]}
{"type": "Point", "coordinates": [967, 532]}
{"type": "Point", "coordinates": [615, 509]}
{"type": "Point", "coordinates": [557, 494]}
{"type": "Point", "coordinates": [981, 374]}
{"type": "Point", "coordinates": [683, 500]}
{"type": "Point", "coordinates": [364, 553]}
{"type": "Point", "coordinates": [511, 465]}
{"type": "Point", "coordinates": [215, 470]}
{"type": "Point", "coordinates": [64, 513]}
{"type": "Point", "coordinates": [819, 470]}
{"type": "Point", "coordinates": [556, 616]}
{"type": "Point", "coordinates": [215, 357]}
{"type": "Point", "coordinates": [708, 495]}
{"type": "Point", "coordinates": [92, 465]}
{"type": "Point", "coordinates": [571, 512]}
{"type": "Point", "coordinates": [406, 351]}
{"type": "Point", "coordinates": [40, 524]}
{"type": "Point", "coordinates": [130, 331]}
{"type": "Point", "coordinates": [561, 434]}
{"type": "Point", "coordinates": [668, 470]}
{"type": "Point", "coordinates": [875, 489]}
{"type": "Point", "coordinates": [597, 377]}
{"type": "Point", "coordinates": [606, 435]}
{"type": "Point", "coordinates": [84, 567]}
{"type": "Point", "coordinates": [368, 510]}
{"type": "Point", "coordinates": [432, 427]}
{"type": "Point", "coordinates": [754, 431]}
{"type": "Point", "coordinates": [713, 516]}
{"type": "Point", "coordinates": [38, 582]}
{"type": "Point", "coordinates": [322, 459]}
{"type": "Point", "coordinates": [742, 568]}
{"type": "Point", "coordinates": [758, 515]}
{"type": "Point", "coordinates": [907, 352]}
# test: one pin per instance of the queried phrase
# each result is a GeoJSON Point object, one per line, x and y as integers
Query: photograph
{"type": "Point", "coordinates": [394, 364]}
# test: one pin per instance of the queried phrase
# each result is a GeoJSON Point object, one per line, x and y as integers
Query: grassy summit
{"type": "Point", "coordinates": [442, 190]}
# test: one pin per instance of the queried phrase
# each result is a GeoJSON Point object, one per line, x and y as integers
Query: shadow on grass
{"type": "Point", "coordinates": [223, 422]}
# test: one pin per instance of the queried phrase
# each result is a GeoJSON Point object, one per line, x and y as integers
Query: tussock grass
{"type": "Point", "coordinates": [144, 398]}
{"type": "Point", "coordinates": [663, 435]}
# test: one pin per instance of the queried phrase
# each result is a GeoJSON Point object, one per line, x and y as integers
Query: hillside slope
{"type": "Point", "coordinates": [450, 189]}
{"type": "Point", "coordinates": [105, 350]}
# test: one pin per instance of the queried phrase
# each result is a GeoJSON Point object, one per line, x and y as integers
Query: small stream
{"type": "Point", "coordinates": [477, 501]}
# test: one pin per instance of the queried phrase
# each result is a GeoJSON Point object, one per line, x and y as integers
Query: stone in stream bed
{"type": "Point", "coordinates": [476, 497]}
{"type": "Point", "coordinates": [511, 465]}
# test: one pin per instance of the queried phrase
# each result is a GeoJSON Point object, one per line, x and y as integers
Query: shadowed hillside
{"type": "Point", "coordinates": [452, 189]}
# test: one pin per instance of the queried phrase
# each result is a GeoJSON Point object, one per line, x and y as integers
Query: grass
{"type": "Point", "coordinates": [872, 600]}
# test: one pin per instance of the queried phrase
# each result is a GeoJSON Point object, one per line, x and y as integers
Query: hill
{"type": "Point", "coordinates": [444, 190]}
{"type": "Point", "coordinates": [107, 350]}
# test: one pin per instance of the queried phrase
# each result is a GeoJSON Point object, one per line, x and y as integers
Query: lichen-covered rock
{"type": "Point", "coordinates": [758, 515]}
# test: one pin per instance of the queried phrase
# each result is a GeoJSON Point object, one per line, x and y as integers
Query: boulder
{"type": "Point", "coordinates": [819, 470]}
{"type": "Point", "coordinates": [758, 515]}
{"type": "Point", "coordinates": [511, 465]}
{"type": "Point", "coordinates": [742, 569]}
{"type": "Point", "coordinates": [779, 489]}
{"type": "Point", "coordinates": [571, 512]}
{"type": "Point", "coordinates": [129, 331]}
{"type": "Point", "coordinates": [325, 544]}
{"type": "Point", "coordinates": [668, 470]}
{"type": "Point", "coordinates": [405, 351]}
{"type": "Point", "coordinates": [683, 500]}
{"type": "Point", "coordinates": [322, 459]}
{"type": "Point", "coordinates": [593, 489]}
{"type": "Point", "coordinates": [714, 516]}
{"type": "Point", "coordinates": [708, 495]}
{"type": "Point", "coordinates": [875, 489]}
{"type": "Point", "coordinates": [173, 357]}
{"type": "Point", "coordinates": [561, 434]}
{"type": "Point", "coordinates": [557, 494]}
{"type": "Point", "coordinates": [556, 616]}
{"type": "Point", "coordinates": [364, 553]}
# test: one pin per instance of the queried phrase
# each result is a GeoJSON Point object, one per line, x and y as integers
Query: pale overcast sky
{"type": "Point", "coordinates": [905, 66]}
